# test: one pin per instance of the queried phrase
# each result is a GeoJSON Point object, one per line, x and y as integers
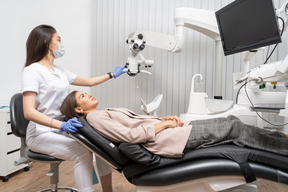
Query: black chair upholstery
{"type": "Point", "coordinates": [19, 126]}
{"type": "Point", "coordinates": [18, 122]}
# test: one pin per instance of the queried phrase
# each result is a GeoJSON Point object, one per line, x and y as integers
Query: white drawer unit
{"type": "Point", "coordinates": [9, 147]}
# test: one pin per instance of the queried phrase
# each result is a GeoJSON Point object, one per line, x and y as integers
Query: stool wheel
{"type": "Point", "coordinates": [5, 179]}
{"type": "Point", "coordinates": [27, 168]}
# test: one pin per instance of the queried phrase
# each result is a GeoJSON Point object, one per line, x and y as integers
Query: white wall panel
{"type": "Point", "coordinates": [72, 20]}
{"type": "Point", "coordinates": [115, 19]}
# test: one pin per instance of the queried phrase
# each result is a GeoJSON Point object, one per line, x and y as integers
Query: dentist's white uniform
{"type": "Point", "coordinates": [51, 88]}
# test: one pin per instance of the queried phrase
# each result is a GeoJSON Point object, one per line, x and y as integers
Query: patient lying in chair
{"type": "Point", "coordinates": [169, 136]}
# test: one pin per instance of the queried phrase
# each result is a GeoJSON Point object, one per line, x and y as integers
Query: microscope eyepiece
{"type": "Point", "coordinates": [135, 46]}
{"type": "Point", "coordinates": [142, 46]}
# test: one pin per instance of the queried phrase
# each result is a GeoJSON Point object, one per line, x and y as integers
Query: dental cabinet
{"type": "Point", "coordinates": [9, 147]}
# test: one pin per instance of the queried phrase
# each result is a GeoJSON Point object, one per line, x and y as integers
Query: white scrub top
{"type": "Point", "coordinates": [51, 87]}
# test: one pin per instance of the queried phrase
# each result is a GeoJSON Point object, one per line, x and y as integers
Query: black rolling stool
{"type": "Point", "coordinates": [19, 126]}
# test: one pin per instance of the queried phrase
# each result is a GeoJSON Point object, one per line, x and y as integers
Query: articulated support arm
{"type": "Point", "coordinates": [200, 20]}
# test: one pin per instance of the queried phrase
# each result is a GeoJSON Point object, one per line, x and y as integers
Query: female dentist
{"type": "Point", "coordinates": [44, 87]}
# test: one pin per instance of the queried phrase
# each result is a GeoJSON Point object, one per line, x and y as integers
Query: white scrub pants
{"type": "Point", "coordinates": [65, 148]}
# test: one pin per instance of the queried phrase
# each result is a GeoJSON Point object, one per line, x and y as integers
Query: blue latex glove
{"type": "Point", "coordinates": [71, 125]}
{"type": "Point", "coordinates": [119, 71]}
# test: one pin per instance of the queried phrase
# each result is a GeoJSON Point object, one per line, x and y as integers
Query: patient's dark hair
{"type": "Point", "coordinates": [68, 106]}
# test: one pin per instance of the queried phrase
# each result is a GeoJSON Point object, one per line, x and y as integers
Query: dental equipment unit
{"type": "Point", "coordinates": [208, 23]}
{"type": "Point", "coordinates": [264, 87]}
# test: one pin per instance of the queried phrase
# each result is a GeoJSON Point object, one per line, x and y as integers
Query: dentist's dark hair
{"type": "Point", "coordinates": [68, 106]}
{"type": "Point", "coordinates": [37, 44]}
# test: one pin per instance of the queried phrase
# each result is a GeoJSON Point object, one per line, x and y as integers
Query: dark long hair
{"type": "Point", "coordinates": [68, 106]}
{"type": "Point", "coordinates": [37, 44]}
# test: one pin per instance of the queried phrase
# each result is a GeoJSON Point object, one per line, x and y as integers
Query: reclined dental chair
{"type": "Point", "coordinates": [19, 126]}
{"type": "Point", "coordinates": [222, 168]}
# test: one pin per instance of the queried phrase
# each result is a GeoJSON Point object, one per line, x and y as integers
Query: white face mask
{"type": "Point", "coordinates": [59, 52]}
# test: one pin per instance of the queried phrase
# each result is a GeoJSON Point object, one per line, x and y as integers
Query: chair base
{"type": "Point", "coordinates": [54, 180]}
{"type": "Point", "coordinates": [70, 189]}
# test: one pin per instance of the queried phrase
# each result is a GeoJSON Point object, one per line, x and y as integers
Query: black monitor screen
{"type": "Point", "coordinates": [247, 24]}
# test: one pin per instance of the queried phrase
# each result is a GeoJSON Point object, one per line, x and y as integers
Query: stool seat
{"type": "Point", "coordinates": [42, 157]}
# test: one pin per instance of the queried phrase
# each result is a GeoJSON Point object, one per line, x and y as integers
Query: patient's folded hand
{"type": "Point", "coordinates": [172, 123]}
{"type": "Point", "coordinates": [179, 123]}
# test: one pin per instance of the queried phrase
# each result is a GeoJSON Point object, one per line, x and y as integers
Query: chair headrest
{"type": "Point", "coordinates": [18, 122]}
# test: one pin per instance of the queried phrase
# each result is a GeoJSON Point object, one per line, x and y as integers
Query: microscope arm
{"type": "Point", "coordinates": [203, 21]}
{"type": "Point", "coordinates": [154, 39]}
{"type": "Point", "coordinates": [200, 20]}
